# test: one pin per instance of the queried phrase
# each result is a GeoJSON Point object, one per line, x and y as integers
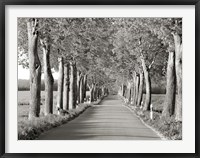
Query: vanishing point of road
{"type": "Point", "coordinates": [108, 121]}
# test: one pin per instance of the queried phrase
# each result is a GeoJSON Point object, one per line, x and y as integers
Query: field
{"type": "Point", "coordinates": [157, 102]}
{"type": "Point", "coordinates": [23, 103]}
{"type": "Point", "coordinates": [24, 85]}
{"type": "Point", "coordinates": [24, 97]}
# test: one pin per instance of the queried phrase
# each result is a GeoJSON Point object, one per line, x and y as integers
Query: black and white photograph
{"type": "Point", "coordinates": [99, 78]}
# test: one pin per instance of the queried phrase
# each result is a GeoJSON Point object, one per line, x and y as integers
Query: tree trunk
{"type": "Point", "coordinates": [60, 84]}
{"type": "Point", "coordinates": [128, 95]}
{"type": "Point", "coordinates": [92, 93]}
{"type": "Point", "coordinates": [136, 89]}
{"type": "Point", "coordinates": [122, 90]}
{"type": "Point", "coordinates": [131, 93]}
{"type": "Point", "coordinates": [107, 92]}
{"type": "Point", "coordinates": [103, 91]}
{"type": "Point", "coordinates": [168, 109]}
{"type": "Point", "coordinates": [78, 86]}
{"type": "Point", "coordinates": [48, 78]}
{"type": "Point", "coordinates": [100, 93]}
{"type": "Point", "coordinates": [35, 69]}
{"type": "Point", "coordinates": [95, 93]}
{"type": "Point", "coordinates": [81, 90]}
{"type": "Point", "coordinates": [148, 86]}
{"type": "Point", "coordinates": [75, 86]}
{"type": "Point", "coordinates": [178, 61]}
{"type": "Point", "coordinates": [140, 93]}
{"type": "Point", "coordinates": [72, 94]}
{"type": "Point", "coordinates": [85, 87]}
{"type": "Point", "coordinates": [125, 88]}
{"type": "Point", "coordinates": [66, 88]}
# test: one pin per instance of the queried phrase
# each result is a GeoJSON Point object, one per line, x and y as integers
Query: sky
{"type": "Point", "coordinates": [24, 73]}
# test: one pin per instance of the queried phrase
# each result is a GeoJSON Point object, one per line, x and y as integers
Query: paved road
{"type": "Point", "coordinates": [107, 121]}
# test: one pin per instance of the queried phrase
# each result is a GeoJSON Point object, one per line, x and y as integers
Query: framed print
{"type": "Point", "coordinates": [99, 78]}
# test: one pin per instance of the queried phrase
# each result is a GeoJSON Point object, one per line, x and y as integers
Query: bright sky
{"type": "Point", "coordinates": [24, 73]}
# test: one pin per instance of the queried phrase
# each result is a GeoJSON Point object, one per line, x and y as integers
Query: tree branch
{"type": "Point", "coordinates": [140, 41]}
{"type": "Point", "coordinates": [34, 26]}
{"type": "Point", "coordinates": [152, 63]}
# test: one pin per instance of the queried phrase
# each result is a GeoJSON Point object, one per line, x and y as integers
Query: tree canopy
{"type": "Point", "coordinates": [107, 49]}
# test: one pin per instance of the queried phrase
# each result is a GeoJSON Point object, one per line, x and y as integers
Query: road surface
{"type": "Point", "coordinates": [108, 121]}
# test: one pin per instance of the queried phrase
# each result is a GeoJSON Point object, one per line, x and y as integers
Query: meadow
{"type": "Point", "coordinates": [158, 97]}
{"type": "Point", "coordinates": [24, 97]}
{"type": "Point", "coordinates": [23, 103]}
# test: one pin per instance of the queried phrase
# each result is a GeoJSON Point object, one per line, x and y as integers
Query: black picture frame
{"type": "Point", "coordinates": [3, 4]}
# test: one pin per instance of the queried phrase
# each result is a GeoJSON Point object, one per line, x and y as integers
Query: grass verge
{"type": "Point", "coordinates": [31, 129]}
{"type": "Point", "coordinates": [168, 127]}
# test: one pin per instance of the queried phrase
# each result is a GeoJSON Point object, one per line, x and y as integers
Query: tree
{"type": "Point", "coordinates": [34, 67]}
{"type": "Point", "coordinates": [168, 109]}
{"type": "Point", "coordinates": [84, 86]}
{"type": "Point", "coordinates": [140, 93]}
{"type": "Point", "coordinates": [66, 87]}
{"type": "Point", "coordinates": [78, 85]}
{"type": "Point", "coordinates": [178, 51]}
{"type": "Point", "coordinates": [81, 98]}
{"type": "Point", "coordinates": [137, 88]}
{"type": "Point", "coordinates": [72, 94]}
{"type": "Point", "coordinates": [60, 84]}
{"type": "Point", "coordinates": [134, 93]}
{"type": "Point", "coordinates": [48, 78]}
{"type": "Point", "coordinates": [128, 93]}
{"type": "Point", "coordinates": [148, 85]}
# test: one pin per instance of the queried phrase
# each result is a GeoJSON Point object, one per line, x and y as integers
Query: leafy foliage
{"type": "Point", "coordinates": [107, 49]}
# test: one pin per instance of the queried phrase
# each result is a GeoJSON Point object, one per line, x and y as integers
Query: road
{"type": "Point", "coordinates": [108, 121]}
